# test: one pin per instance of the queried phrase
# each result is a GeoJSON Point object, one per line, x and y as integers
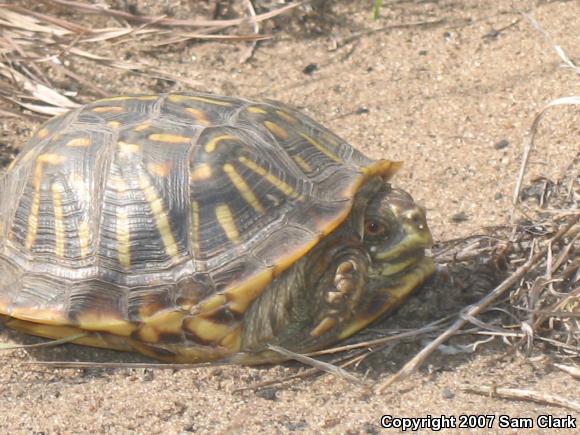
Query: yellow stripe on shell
{"type": "Point", "coordinates": [200, 172]}
{"type": "Point", "coordinates": [243, 188]}
{"type": "Point", "coordinates": [79, 142]}
{"type": "Point", "coordinates": [211, 145]}
{"type": "Point", "coordinates": [103, 321]}
{"type": "Point", "coordinates": [302, 163]}
{"type": "Point", "coordinates": [160, 215]}
{"type": "Point", "coordinates": [206, 329]}
{"type": "Point", "coordinates": [108, 109]}
{"type": "Point", "coordinates": [41, 160]}
{"type": "Point", "coordinates": [211, 304]}
{"type": "Point", "coordinates": [159, 169]}
{"type": "Point", "coordinates": [331, 140]}
{"type": "Point", "coordinates": [276, 130]}
{"type": "Point", "coordinates": [226, 220]}
{"type": "Point", "coordinates": [69, 333]}
{"type": "Point", "coordinates": [162, 322]}
{"type": "Point", "coordinates": [57, 190]}
{"type": "Point", "coordinates": [33, 314]}
{"type": "Point", "coordinates": [50, 159]}
{"type": "Point", "coordinates": [119, 184]}
{"type": "Point", "coordinates": [176, 98]}
{"type": "Point", "coordinates": [233, 340]}
{"type": "Point", "coordinates": [113, 124]}
{"type": "Point", "coordinates": [383, 168]}
{"type": "Point", "coordinates": [241, 296]}
{"type": "Point", "coordinates": [199, 115]}
{"type": "Point", "coordinates": [286, 117]}
{"type": "Point", "coordinates": [169, 138]}
{"type": "Point", "coordinates": [254, 109]}
{"type": "Point", "coordinates": [320, 147]}
{"type": "Point", "coordinates": [123, 238]}
{"type": "Point", "coordinates": [142, 127]}
{"type": "Point", "coordinates": [128, 148]}
{"type": "Point", "coordinates": [122, 230]}
{"type": "Point", "coordinates": [42, 330]}
{"type": "Point", "coordinates": [195, 227]}
{"type": "Point", "coordinates": [32, 220]}
{"type": "Point", "coordinates": [282, 186]}
{"type": "Point", "coordinates": [299, 252]}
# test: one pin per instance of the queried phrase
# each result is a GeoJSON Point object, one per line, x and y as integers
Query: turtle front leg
{"type": "Point", "coordinates": [347, 284]}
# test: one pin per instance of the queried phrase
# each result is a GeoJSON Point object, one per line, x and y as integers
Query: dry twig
{"type": "Point", "coordinates": [33, 45]}
{"type": "Point", "coordinates": [571, 370]}
{"type": "Point", "coordinates": [530, 143]}
{"type": "Point", "coordinates": [519, 394]}
{"type": "Point", "coordinates": [320, 365]}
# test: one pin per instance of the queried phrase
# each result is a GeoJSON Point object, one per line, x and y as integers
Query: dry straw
{"type": "Point", "coordinates": [36, 46]}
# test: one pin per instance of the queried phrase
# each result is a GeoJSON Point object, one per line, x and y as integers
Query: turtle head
{"type": "Point", "coordinates": [359, 281]}
{"type": "Point", "coordinates": [395, 237]}
{"type": "Point", "coordinates": [395, 232]}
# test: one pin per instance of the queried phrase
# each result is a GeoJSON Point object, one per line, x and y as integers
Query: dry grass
{"type": "Point", "coordinates": [34, 47]}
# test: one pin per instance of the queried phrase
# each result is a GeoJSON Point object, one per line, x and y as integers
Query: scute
{"type": "Point", "coordinates": [131, 209]}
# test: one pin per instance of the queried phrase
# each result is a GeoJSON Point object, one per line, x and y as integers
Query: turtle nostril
{"type": "Point", "coordinates": [416, 218]}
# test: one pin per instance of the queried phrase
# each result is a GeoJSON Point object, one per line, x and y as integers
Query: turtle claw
{"type": "Point", "coordinates": [347, 279]}
{"type": "Point", "coordinates": [344, 292]}
{"type": "Point", "coordinates": [344, 268]}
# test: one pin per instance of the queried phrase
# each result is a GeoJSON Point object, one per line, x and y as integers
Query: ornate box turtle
{"type": "Point", "coordinates": [194, 227]}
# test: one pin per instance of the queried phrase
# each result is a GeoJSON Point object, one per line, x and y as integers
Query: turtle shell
{"type": "Point", "coordinates": [158, 219]}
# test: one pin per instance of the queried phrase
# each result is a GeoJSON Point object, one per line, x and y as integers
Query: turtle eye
{"type": "Point", "coordinates": [374, 228]}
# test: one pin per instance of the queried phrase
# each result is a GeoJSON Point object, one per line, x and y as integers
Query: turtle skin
{"type": "Point", "coordinates": [192, 227]}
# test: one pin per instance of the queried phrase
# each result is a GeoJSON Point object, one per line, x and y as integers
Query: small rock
{"type": "Point", "coordinates": [164, 85]}
{"type": "Point", "coordinates": [492, 34]}
{"type": "Point", "coordinates": [501, 144]}
{"type": "Point", "coordinates": [447, 393]}
{"type": "Point", "coordinates": [310, 68]}
{"type": "Point", "coordinates": [370, 429]}
{"type": "Point", "coordinates": [361, 110]}
{"type": "Point", "coordinates": [189, 428]}
{"type": "Point", "coordinates": [498, 196]}
{"type": "Point", "coordinates": [423, 53]}
{"type": "Point", "coordinates": [297, 426]}
{"type": "Point", "coordinates": [459, 217]}
{"type": "Point", "coordinates": [267, 393]}
{"type": "Point", "coordinates": [148, 375]}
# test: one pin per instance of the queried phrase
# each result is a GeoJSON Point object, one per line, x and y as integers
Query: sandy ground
{"type": "Point", "coordinates": [449, 87]}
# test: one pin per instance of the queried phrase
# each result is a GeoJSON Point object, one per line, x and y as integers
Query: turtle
{"type": "Point", "coordinates": [193, 227]}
